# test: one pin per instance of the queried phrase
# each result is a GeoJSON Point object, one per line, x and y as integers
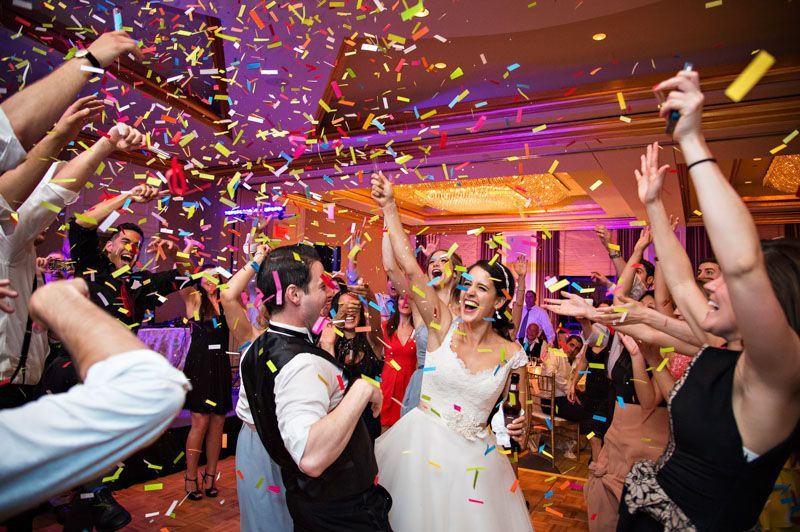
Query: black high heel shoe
{"type": "Point", "coordinates": [212, 491]}
{"type": "Point", "coordinates": [195, 494]}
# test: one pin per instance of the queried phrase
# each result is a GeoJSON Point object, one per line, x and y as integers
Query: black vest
{"type": "Point", "coordinates": [352, 473]}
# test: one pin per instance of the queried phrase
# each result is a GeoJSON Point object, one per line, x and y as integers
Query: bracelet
{"type": "Point", "coordinates": [256, 266]}
{"type": "Point", "coordinates": [615, 255]}
{"type": "Point", "coordinates": [710, 159]}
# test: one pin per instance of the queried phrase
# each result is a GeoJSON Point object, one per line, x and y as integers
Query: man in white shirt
{"type": "Point", "coordinates": [22, 349]}
{"type": "Point", "coordinates": [535, 314]}
{"type": "Point", "coordinates": [129, 397]}
{"type": "Point", "coordinates": [305, 413]}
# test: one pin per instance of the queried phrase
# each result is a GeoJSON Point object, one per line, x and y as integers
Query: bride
{"type": "Point", "coordinates": [440, 462]}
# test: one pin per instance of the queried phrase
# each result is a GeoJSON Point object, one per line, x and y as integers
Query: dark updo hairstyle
{"type": "Point", "coordinates": [782, 261]}
{"type": "Point", "coordinates": [502, 280]}
{"type": "Point", "coordinates": [284, 260]}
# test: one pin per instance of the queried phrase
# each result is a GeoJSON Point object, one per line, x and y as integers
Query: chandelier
{"type": "Point", "coordinates": [784, 173]}
{"type": "Point", "coordinates": [496, 195]}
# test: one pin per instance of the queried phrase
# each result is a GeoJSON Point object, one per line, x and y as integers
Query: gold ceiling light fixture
{"type": "Point", "coordinates": [495, 195]}
{"type": "Point", "coordinates": [784, 173]}
{"type": "Point", "coordinates": [599, 36]}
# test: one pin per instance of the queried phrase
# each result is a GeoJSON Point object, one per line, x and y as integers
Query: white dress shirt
{"type": "Point", "coordinates": [301, 396]}
{"type": "Point", "coordinates": [559, 367]}
{"type": "Point", "coordinates": [539, 316]}
{"type": "Point", "coordinates": [65, 440]}
{"type": "Point", "coordinates": [11, 151]}
{"type": "Point", "coordinates": [243, 405]}
{"type": "Point", "coordinates": [18, 263]}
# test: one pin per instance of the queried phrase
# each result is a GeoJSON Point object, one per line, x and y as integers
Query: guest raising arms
{"type": "Point", "coordinates": [734, 413]}
{"type": "Point", "coordinates": [472, 357]}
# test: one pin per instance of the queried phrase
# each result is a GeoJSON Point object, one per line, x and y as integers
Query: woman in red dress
{"type": "Point", "coordinates": [399, 359]}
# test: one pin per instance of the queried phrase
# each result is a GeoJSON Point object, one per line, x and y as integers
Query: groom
{"type": "Point", "coordinates": [306, 414]}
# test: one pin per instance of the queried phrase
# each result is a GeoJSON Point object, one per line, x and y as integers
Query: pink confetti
{"type": "Point", "coordinates": [336, 89]}
{"type": "Point", "coordinates": [274, 489]}
{"type": "Point", "coordinates": [319, 324]}
{"type": "Point", "coordinates": [278, 288]}
{"type": "Point", "coordinates": [478, 124]}
{"type": "Point", "coordinates": [475, 501]}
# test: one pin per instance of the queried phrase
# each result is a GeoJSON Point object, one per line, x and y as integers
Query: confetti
{"type": "Point", "coordinates": [751, 75]}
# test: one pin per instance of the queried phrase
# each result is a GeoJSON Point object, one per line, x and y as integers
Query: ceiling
{"type": "Point", "coordinates": [311, 98]}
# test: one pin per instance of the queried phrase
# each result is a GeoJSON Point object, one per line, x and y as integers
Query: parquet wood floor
{"type": "Point", "coordinates": [556, 505]}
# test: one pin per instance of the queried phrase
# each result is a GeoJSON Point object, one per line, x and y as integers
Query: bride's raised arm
{"type": "Point", "coordinates": [431, 308]}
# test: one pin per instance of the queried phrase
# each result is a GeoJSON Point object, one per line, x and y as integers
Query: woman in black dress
{"type": "Point", "coordinates": [358, 348]}
{"type": "Point", "coordinates": [734, 413]}
{"type": "Point", "coordinates": [208, 368]}
{"type": "Point", "coordinates": [595, 397]}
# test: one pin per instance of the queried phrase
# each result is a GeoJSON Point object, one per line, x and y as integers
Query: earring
{"type": "Point", "coordinates": [497, 313]}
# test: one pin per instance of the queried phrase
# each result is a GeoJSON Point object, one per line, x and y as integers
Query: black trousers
{"type": "Point", "coordinates": [13, 396]}
{"type": "Point", "coordinates": [366, 512]}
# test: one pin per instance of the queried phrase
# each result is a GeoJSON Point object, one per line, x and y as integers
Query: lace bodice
{"type": "Point", "coordinates": [462, 399]}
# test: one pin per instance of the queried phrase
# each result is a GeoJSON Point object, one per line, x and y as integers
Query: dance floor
{"type": "Point", "coordinates": [556, 504]}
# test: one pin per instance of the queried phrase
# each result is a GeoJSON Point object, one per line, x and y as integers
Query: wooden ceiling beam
{"type": "Point", "coordinates": [124, 69]}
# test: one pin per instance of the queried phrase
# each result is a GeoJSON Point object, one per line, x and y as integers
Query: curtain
{"type": "Point", "coordinates": [791, 231]}
{"type": "Point", "coordinates": [547, 265]}
{"type": "Point", "coordinates": [421, 241]}
{"type": "Point", "coordinates": [697, 245]}
{"type": "Point", "coordinates": [626, 239]}
{"type": "Point", "coordinates": [486, 252]}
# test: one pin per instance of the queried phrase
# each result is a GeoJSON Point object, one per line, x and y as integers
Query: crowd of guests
{"type": "Point", "coordinates": [361, 406]}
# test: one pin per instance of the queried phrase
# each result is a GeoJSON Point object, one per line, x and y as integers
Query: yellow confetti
{"type": "Point", "coordinates": [553, 167]}
{"type": "Point", "coordinates": [271, 366]}
{"type": "Point", "coordinates": [621, 100]}
{"type": "Point", "coordinates": [751, 75]}
{"type": "Point", "coordinates": [121, 271]}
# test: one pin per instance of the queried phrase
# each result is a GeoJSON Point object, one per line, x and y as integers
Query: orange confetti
{"type": "Point", "coordinates": [554, 512]}
{"type": "Point", "coordinates": [514, 486]}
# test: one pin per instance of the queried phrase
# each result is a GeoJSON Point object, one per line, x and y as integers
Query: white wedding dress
{"type": "Point", "coordinates": [429, 458]}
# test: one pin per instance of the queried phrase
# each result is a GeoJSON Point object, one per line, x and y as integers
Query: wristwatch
{"type": "Point", "coordinates": [86, 54]}
{"type": "Point", "coordinates": [615, 255]}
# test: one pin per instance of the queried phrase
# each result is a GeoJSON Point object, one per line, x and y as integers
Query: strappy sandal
{"type": "Point", "coordinates": [195, 494]}
{"type": "Point", "coordinates": [212, 491]}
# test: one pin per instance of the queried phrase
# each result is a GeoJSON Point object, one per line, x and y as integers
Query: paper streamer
{"type": "Point", "coordinates": [278, 288]}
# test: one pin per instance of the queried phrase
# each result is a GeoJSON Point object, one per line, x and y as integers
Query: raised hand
{"type": "Point", "coordinates": [520, 267]}
{"type": "Point", "coordinates": [645, 239]}
{"type": "Point", "coordinates": [111, 45]}
{"type": "Point", "coordinates": [167, 247]}
{"type": "Point", "coordinates": [684, 96]}
{"type": "Point", "coordinates": [633, 311]}
{"type": "Point", "coordinates": [77, 115]}
{"type": "Point", "coordinates": [630, 344]}
{"type": "Point", "coordinates": [650, 178]}
{"type": "Point", "coordinates": [382, 190]}
{"type": "Point", "coordinates": [143, 193]}
{"type": "Point", "coordinates": [5, 291]}
{"type": "Point", "coordinates": [673, 222]}
{"type": "Point", "coordinates": [599, 277]}
{"type": "Point", "coordinates": [432, 245]}
{"type": "Point", "coordinates": [603, 234]}
{"type": "Point", "coordinates": [125, 138]}
{"type": "Point", "coordinates": [572, 305]}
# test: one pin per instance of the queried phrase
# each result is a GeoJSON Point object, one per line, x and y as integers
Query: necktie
{"type": "Point", "coordinates": [524, 325]}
